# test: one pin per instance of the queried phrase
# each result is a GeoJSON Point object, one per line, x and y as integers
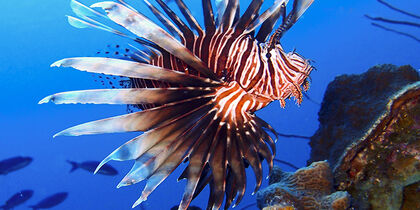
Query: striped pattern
{"type": "Point", "coordinates": [198, 89]}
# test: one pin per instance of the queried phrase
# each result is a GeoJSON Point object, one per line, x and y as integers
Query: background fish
{"type": "Point", "coordinates": [17, 199]}
{"type": "Point", "coordinates": [51, 201]}
{"type": "Point", "coordinates": [91, 166]}
{"type": "Point", "coordinates": [14, 164]}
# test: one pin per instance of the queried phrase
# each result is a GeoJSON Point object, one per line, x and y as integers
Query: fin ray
{"type": "Point", "coordinates": [83, 11]}
{"type": "Point", "coordinates": [197, 163]}
{"type": "Point", "coordinates": [208, 16]}
{"type": "Point", "coordinates": [165, 21]}
{"type": "Point", "coordinates": [189, 17]}
{"type": "Point", "coordinates": [265, 15]}
{"type": "Point", "coordinates": [154, 157]}
{"type": "Point", "coordinates": [173, 161]}
{"type": "Point", "coordinates": [250, 13]}
{"type": "Point", "coordinates": [138, 121]}
{"type": "Point", "coordinates": [132, 69]}
{"type": "Point", "coordinates": [143, 27]}
{"type": "Point", "coordinates": [229, 14]}
{"type": "Point", "coordinates": [137, 146]}
{"type": "Point", "coordinates": [125, 96]}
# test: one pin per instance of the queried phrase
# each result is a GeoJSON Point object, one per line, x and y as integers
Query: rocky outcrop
{"type": "Point", "coordinates": [370, 134]}
{"type": "Point", "coordinates": [352, 104]}
{"type": "Point", "coordinates": [307, 188]}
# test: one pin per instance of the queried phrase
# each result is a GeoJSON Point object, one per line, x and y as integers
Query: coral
{"type": "Point", "coordinates": [351, 104]}
{"type": "Point", "coordinates": [276, 207]}
{"type": "Point", "coordinates": [411, 197]}
{"type": "Point", "coordinates": [370, 133]}
{"type": "Point", "coordinates": [307, 188]}
{"type": "Point", "coordinates": [376, 168]}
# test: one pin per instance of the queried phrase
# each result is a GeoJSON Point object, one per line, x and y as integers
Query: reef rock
{"type": "Point", "coordinates": [351, 106]}
{"type": "Point", "coordinates": [307, 188]}
{"type": "Point", "coordinates": [370, 132]}
{"type": "Point", "coordinates": [376, 168]}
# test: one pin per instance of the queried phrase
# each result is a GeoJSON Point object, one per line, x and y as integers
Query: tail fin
{"type": "Point", "coordinates": [74, 165]}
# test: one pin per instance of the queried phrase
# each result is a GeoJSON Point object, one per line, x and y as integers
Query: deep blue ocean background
{"type": "Point", "coordinates": [34, 34]}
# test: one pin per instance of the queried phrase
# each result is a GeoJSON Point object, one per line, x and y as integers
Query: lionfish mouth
{"type": "Point", "coordinates": [198, 92]}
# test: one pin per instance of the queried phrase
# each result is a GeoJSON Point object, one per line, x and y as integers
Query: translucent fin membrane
{"type": "Point", "coordinates": [83, 11]}
{"type": "Point", "coordinates": [138, 121]}
{"type": "Point", "coordinates": [141, 26]}
{"type": "Point", "coordinates": [132, 69]}
{"type": "Point", "coordinates": [125, 96]}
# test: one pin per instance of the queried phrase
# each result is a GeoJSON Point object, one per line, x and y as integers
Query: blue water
{"type": "Point", "coordinates": [34, 34]}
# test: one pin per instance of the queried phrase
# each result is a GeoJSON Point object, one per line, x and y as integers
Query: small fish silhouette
{"type": "Point", "coordinates": [51, 201]}
{"type": "Point", "coordinates": [91, 166]}
{"type": "Point", "coordinates": [14, 164]}
{"type": "Point", "coordinates": [17, 199]}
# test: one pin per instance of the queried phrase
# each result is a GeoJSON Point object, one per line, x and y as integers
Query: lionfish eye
{"type": "Point", "coordinates": [268, 55]}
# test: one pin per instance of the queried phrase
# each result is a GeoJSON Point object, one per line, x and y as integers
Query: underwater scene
{"type": "Point", "coordinates": [211, 104]}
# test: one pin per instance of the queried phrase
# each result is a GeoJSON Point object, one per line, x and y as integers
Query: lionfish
{"type": "Point", "coordinates": [198, 90]}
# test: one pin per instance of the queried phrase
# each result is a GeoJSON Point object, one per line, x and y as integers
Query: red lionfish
{"type": "Point", "coordinates": [198, 90]}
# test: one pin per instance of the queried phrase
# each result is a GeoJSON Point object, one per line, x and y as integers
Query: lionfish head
{"type": "Point", "coordinates": [291, 72]}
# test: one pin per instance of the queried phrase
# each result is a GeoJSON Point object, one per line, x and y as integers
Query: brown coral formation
{"type": "Point", "coordinates": [307, 188]}
{"type": "Point", "coordinates": [370, 133]}
{"type": "Point", "coordinates": [376, 168]}
{"type": "Point", "coordinates": [352, 104]}
{"type": "Point", "coordinates": [411, 197]}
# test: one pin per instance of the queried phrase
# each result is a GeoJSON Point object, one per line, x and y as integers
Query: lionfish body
{"type": "Point", "coordinates": [198, 92]}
